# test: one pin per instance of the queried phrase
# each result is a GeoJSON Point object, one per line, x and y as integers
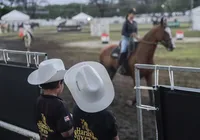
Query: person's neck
{"type": "Point", "coordinates": [51, 93]}
{"type": "Point", "coordinates": [130, 20]}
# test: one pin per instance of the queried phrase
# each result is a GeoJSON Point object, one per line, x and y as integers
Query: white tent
{"type": "Point", "coordinates": [15, 16]}
{"type": "Point", "coordinates": [58, 18]}
{"type": "Point", "coordinates": [82, 17]}
{"type": "Point", "coordinates": [196, 18]}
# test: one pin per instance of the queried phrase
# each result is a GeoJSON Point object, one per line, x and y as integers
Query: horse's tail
{"type": "Point", "coordinates": [107, 61]}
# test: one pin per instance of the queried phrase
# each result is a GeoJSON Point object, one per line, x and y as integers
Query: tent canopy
{"type": "Point", "coordinates": [82, 16]}
{"type": "Point", "coordinates": [197, 9]}
{"type": "Point", "coordinates": [15, 16]}
{"type": "Point", "coordinates": [58, 18]}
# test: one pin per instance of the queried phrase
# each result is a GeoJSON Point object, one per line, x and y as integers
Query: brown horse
{"type": "Point", "coordinates": [143, 54]}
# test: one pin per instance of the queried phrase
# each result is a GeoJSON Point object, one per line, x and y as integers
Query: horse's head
{"type": "Point", "coordinates": [164, 35]}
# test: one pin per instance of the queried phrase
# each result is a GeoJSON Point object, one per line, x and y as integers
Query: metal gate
{"type": "Point", "coordinates": [138, 88]}
{"type": "Point", "coordinates": [17, 95]}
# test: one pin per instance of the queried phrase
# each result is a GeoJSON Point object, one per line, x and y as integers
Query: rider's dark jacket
{"type": "Point", "coordinates": [129, 28]}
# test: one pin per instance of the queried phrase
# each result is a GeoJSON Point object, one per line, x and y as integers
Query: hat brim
{"type": "Point", "coordinates": [33, 78]}
{"type": "Point", "coordinates": [90, 107]}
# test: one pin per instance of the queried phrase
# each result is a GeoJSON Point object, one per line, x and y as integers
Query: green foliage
{"type": "Point", "coordinates": [5, 10]}
{"type": "Point", "coordinates": [106, 8]}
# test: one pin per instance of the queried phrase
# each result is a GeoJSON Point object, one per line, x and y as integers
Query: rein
{"type": "Point", "coordinates": [147, 42]}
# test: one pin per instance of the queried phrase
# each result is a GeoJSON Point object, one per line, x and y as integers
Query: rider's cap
{"type": "Point", "coordinates": [132, 11]}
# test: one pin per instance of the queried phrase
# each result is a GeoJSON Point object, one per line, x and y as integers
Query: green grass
{"type": "Point", "coordinates": [71, 37]}
{"type": "Point", "coordinates": [183, 51]}
{"type": "Point", "coordinates": [115, 32]}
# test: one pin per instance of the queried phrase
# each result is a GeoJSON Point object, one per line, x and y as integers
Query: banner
{"type": "Point", "coordinates": [178, 115]}
{"type": "Point", "coordinates": [17, 99]}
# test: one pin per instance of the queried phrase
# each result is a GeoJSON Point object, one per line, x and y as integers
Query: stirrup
{"type": "Point", "coordinates": [122, 70]}
{"type": "Point", "coordinates": [115, 55]}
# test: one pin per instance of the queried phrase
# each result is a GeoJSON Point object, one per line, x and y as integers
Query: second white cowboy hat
{"type": "Point", "coordinates": [50, 70]}
{"type": "Point", "coordinates": [90, 86]}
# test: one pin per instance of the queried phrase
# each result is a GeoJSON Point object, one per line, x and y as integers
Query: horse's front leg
{"type": "Point", "coordinates": [111, 71]}
{"type": "Point", "coordinates": [132, 100]}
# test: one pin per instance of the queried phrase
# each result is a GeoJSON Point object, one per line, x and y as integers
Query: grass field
{"type": "Point", "coordinates": [185, 53]}
{"type": "Point", "coordinates": [115, 32]}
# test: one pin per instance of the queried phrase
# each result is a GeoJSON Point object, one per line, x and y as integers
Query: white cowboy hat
{"type": "Point", "coordinates": [50, 70]}
{"type": "Point", "coordinates": [90, 86]}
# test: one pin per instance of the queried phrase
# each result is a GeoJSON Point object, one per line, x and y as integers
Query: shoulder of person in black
{"type": "Point", "coordinates": [129, 28]}
{"type": "Point", "coordinates": [56, 114]}
{"type": "Point", "coordinates": [131, 25]}
{"type": "Point", "coordinates": [102, 124]}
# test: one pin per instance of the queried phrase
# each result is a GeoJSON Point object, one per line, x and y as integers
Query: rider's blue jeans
{"type": "Point", "coordinates": [124, 44]}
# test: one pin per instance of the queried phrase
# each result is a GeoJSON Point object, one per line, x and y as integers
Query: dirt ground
{"type": "Point", "coordinates": [126, 117]}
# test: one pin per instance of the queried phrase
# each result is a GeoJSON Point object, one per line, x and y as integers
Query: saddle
{"type": "Point", "coordinates": [116, 51]}
{"type": "Point", "coordinates": [116, 54]}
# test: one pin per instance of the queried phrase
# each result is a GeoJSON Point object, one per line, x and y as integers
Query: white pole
{"type": "Point", "coordinates": [191, 13]}
{"type": "Point", "coordinates": [19, 130]}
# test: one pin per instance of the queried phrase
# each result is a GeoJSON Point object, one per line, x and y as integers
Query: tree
{"type": "Point", "coordinates": [178, 5]}
{"type": "Point", "coordinates": [102, 5]}
{"type": "Point", "coordinates": [4, 10]}
{"type": "Point", "coordinates": [28, 6]}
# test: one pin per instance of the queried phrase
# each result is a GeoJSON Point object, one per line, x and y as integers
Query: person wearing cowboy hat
{"type": "Point", "coordinates": [53, 119]}
{"type": "Point", "coordinates": [93, 91]}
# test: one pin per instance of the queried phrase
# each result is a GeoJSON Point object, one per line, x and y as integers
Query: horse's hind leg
{"type": "Point", "coordinates": [149, 84]}
{"type": "Point", "coordinates": [111, 71]}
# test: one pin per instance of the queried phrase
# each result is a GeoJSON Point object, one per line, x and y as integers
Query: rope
{"type": "Point", "coordinates": [27, 59]}
{"type": "Point", "coordinates": [8, 58]}
{"type": "Point", "coordinates": [156, 75]}
{"type": "Point", "coordinates": [4, 56]}
{"type": "Point", "coordinates": [171, 77]}
{"type": "Point", "coordinates": [36, 59]}
{"type": "Point", "coordinates": [147, 42]}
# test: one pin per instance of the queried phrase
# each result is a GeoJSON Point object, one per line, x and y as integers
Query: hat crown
{"type": "Point", "coordinates": [90, 84]}
{"type": "Point", "coordinates": [56, 64]}
{"type": "Point", "coordinates": [49, 71]}
{"type": "Point", "coordinates": [49, 67]}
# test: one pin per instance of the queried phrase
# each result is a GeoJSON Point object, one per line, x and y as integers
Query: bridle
{"type": "Point", "coordinates": [148, 42]}
{"type": "Point", "coordinates": [154, 43]}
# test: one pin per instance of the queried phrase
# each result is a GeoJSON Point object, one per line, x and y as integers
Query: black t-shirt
{"type": "Point", "coordinates": [129, 28]}
{"type": "Point", "coordinates": [52, 117]}
{"type": "Point", "coordinates": [94, 126]}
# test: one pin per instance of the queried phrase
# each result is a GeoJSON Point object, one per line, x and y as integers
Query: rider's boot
{"type": "Point", "coordinates": [122, 58]}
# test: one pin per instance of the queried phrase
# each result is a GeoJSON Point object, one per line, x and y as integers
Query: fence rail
{"type": "Point", "coordinates": [138, 88]}
{"type": "Point", "coordinates": [163, 67]}
{"type": "Point", "coordinates": [23, 52]}
{"type": "Point", "coordinates": [21, 131]}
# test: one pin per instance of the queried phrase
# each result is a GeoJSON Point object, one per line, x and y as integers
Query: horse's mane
{"type": "Point", "coordinates": [150, 32]}
{"type": "Point", "coordinates": [147, 36]}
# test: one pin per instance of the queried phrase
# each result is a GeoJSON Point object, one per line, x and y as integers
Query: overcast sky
{"type": "Point", "coordinates": [66, 1]}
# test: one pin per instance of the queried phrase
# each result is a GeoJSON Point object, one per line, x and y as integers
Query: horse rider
{"type": "Point", "coordinates": [129, 31]}
{"type": "Point", "coordinates": [27, 28]}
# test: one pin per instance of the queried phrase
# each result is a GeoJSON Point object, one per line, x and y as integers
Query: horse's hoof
{"type": "Point", "coordinates": [129, 103]}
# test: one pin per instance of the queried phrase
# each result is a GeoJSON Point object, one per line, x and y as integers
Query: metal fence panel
{"type": "Point", "coordinates": [17, 99]}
